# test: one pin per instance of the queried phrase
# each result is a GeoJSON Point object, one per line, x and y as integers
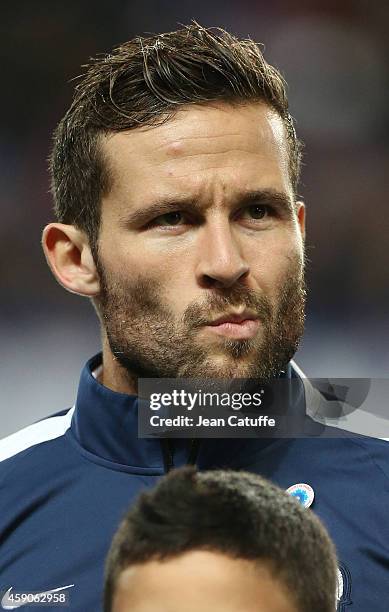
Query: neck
{"type": "Point", "coordinates": [114, 376]}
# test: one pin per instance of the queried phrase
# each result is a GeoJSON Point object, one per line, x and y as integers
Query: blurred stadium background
{"type": "Point", "coordinates": [335, 57]}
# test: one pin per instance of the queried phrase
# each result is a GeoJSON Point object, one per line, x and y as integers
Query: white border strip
{"type": "Point", "coordinates": [48, 429]}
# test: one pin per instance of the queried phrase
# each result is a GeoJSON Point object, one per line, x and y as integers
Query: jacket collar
{"type": "Point", "coordinates": [105, 423]}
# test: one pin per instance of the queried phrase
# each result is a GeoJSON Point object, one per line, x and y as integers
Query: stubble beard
{"type": "Point", "coordinates": [148, 341]}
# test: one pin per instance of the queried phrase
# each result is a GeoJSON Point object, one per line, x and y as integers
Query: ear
{"type": "Point", "coordinates": [69, 256]}
{"type": "Point", "coordinates": [300, 211]}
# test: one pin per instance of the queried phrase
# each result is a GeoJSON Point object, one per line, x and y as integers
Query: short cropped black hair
{"type": "Point", "coordinates": [236, 513]}
{"type": "Point", "coordinates": [143, 82]}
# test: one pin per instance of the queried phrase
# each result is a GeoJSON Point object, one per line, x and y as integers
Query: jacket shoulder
{"type": "Point", "coordinates": [24, 441]}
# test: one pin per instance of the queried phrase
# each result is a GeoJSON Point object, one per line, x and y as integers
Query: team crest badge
{"type": "Point", "coordinates": [303, 493]}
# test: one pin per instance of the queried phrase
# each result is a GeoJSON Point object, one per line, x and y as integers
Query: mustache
{"type": "Point", "coordinates": [197, 315]}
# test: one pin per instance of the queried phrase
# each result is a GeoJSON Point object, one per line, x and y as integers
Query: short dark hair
{"type": "Point", "coordinates": [144, 82]}
{"type": "Point", "coordinates": [236, 513]}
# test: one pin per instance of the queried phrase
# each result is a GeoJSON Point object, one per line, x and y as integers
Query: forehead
{"type": "Point", "coordinates": [201, 580]}
{"type": "Point", "coordinates": [216, 146]}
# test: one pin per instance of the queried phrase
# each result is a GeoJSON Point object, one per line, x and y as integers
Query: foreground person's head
{"type": "Point", "coordinates": [175, 174]}
{"type": "Point", "coordinates": [219, 542]}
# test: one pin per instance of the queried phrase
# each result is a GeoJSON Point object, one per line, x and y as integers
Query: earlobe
{"type": "Point", "coordinates": [69, 257]}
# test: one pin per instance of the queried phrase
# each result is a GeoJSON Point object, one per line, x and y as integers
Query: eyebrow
{"type": "Point", "coordinates": [163, 206]}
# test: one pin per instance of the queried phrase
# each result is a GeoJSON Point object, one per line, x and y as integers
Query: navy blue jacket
{"type": "Point", "coordinates": [66, 481]}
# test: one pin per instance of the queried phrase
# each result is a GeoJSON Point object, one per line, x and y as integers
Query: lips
{"type": "Point", "coordinates": [238, 326]}
{"type": "Point", "coordinates": [234, 318]}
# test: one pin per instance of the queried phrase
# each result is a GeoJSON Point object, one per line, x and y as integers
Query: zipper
{"type": "Point", "coordinates": [193, 451]}
{"type": "Point", "coordinates": [167, 453]}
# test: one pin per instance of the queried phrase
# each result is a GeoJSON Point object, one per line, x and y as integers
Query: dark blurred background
{"type": "Point", "coordinates": [335, 57]}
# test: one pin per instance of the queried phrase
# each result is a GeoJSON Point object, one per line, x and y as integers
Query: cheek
{"type": "Point", "coordinates": [125, 261]}
{"type": "Point", "coordinates": [273, 260]}
{"type": "Point", "coordinates": [130, 269]}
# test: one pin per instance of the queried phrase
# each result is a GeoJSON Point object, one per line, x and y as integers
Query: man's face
{"type": "Point", "coordinates": [200, 580]}
{"type": "Point", "coordinates": [200, 224]}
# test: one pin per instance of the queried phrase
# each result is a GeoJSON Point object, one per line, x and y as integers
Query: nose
{"type": "Point", "coordinates": [220, 262]}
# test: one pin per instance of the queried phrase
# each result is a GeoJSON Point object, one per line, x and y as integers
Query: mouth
{"type": "Point", "coordinates": [240, 326]}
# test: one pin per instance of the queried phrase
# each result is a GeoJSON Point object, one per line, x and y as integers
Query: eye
{"type": "Point", "coordinates": [256, 212]}
{"type": "Point", "coordinates": [168, 219]}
